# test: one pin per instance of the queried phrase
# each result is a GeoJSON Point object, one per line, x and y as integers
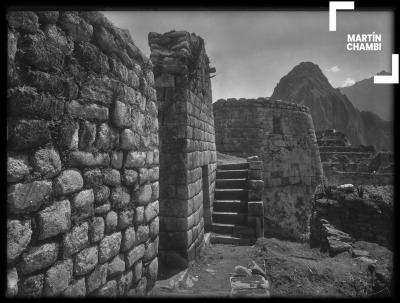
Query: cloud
{"type": "Point", "coordinates": [348, 82]}
{"type": "Point", "coordinates": [334, 69]}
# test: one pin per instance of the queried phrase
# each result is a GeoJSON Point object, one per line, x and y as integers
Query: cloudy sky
{"type": "Point", "coordinates": [252, 50]}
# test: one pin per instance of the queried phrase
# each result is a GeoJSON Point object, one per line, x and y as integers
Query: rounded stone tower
{"type": "Point", "coordinates": [282, 135]}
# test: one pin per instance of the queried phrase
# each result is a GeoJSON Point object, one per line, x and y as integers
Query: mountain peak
{"type": "Point", "coordinates": [306, 77]}
{"type": "Point", "coordinates": [383, 72]}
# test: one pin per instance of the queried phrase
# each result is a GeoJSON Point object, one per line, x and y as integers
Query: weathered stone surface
{"type": "Point", "coordinates": [76, 27]}
{"type": "Point", "coordinates": [142, 234]}
{"type": "Point", "coordinates": [137, 271]}
{"type": "Point", "coordinates": [92, 112]}
{"type": "Point", "coordinates": [103, 209]}
{"type": "Point", "coordinates": [155, 191]}
{"type": "Point", "coordinates": [135, 159]}
{"type": "Point", "coordinates": [120, 197]}
{"type": "Point", "coordinates": [12, 45]}
{"type": "Point", "coordinates": [144, 175]}
{"type": "Point", "coordinates": [355, 253]}
{"type": "Point", "coordinates": [69, 134]}
{"type": "Point", "coordinates": [18, 237]}
{"type": "Point", "coordinates": [76, 289]}
{"type": "Point", "coordinates": [152, 273]}
{"type": "Point", "coordinates": [68, 182]}
{"type": "Point", "coordinates": [91, 57]}
{"type": "Point", "coordinates": [144, 195]}
{"type": "Point", "coordinates": [108, 290]}
{"type": "Point", "coordinates": [28, 197]}
{"type": "Point", "coordinates": [50, 17]}
{"type": "Point", "coordinates": [111, 177]}
{"type": "Point", "coordinates": [151, 211]}
{"type": "Point", "coordinates": [26, 101]}
{"type": "Point", "coordinates": [128, 239]}
{"type": "Point", "coordinates": [121, 116]}
{"type": "Point", "coordinates": [97, 277]}
{"type": "Point", "coordinates": [129, 140]}
{"type": "Point", "coordinates": [125, 219]}
{"type": "Point", "coordinates": [24, 21]}
{"type": "Point", "coordinates": [141, 287]}
{"type": "Point", "coordinates": [86, 260]}
{"type": "Point", "coordinates": [32, 286]}
{"type": "Point", "coordinates": [58, 277]}
{"type": "Point", "coordinates": [93, 177]}
{"type": "Point", "coordinates": [39, 257]}
{"type": "Point", "coordinates": [97, 89]}
{"type": "Point", "coordinates": [17, 168]}
{"type": "Point", "coordinates": [107, 138]}
{"type": "Point", "coordinates": [139, 215]}
{"type": "Point", "coordinates": [124, 282]}
{"type": "Point", "coordinates": [109, 247]}
{"type": "Point", "coordinates": [85, 159]}
{"type": "Point", "coordinates": [151, 251]}
{"type": "Point", "coordinates": [130, 177]}
{"type": "Point", "coordinates": [54, 219]}
{"type": "Point", "coordinates": [111, 222]}
{"type": "Point", "coordinates": [101, 194]}
{"type": "Point", "coordinates": [12, 282]}
{"type": "Point", "coordinates": [27, 134]}
{"type": "Point", "coordinates": [87, 135]}
{"type": "Point", "coordinates": [76, 239]}
{"type": "Point", "coordinates": [83, 203]}
{"type": "Point", "coordinates": [154, 227]}
{"type": "Point", "coordinates": [135, 255]}
{"type": "Point", "coordinates": [117, 159]}
{"type": "Point", "coordinates": [97, 230]}
{"type": "Point", "coordinates": [116, 266]}
{"type": "Point", "coordinates": [47, 162]}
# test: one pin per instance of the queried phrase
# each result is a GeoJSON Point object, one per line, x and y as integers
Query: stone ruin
{"type": "Point", "coordinates": [88, 141]}
{"type": "Point", "coordinates": [346, 164]}
{"type": "Point", "coordinates": [282, 135]}
{"type": "Point", "coordinates": [83, 158]}
{"type": "Point", "coordinates": [111, 157]}
{"type": "Point", "coordinates": [345, 214]}
{"type": "Point", "coordinates": [187, 143]}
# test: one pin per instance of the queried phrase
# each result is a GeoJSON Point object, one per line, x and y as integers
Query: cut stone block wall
{"type": "Point", "coordinates": [83, 159]}
{"type": "Point", "coordinates": [187, 143]}
{"type": "Point", "coordinates": [282, 135]}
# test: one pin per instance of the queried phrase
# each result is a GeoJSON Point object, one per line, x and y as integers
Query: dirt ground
{"type": "Point", "coordinates": [293, 269]}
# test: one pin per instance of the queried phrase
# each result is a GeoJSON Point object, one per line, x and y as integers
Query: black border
{"type": "Point", "coordinates": [216, 5]}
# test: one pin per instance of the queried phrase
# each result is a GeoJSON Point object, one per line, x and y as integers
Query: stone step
{"type": "Point", "coordinates": [231, 183]}
{"type": "Point", "coordinates": [233, 230]}
{"type": "Point", "coordinates": [232, 174]}
{"type": "Point", "coordinates": [226, 239]}
{"type": "Point", "coordinates": [229, 217]}
{"type": "Point", "coordinates": [233, 166]}
{"type": "Point", "coordinates": [231, 193]}
{"type": "Point", "coordinates": [239, 206]}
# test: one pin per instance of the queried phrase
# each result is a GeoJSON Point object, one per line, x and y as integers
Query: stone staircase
{"type": "Point", "coordinates": [230, 206]}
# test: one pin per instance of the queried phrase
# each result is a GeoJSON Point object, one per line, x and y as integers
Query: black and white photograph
{"type": "Point", "coordinates": [200, 152]}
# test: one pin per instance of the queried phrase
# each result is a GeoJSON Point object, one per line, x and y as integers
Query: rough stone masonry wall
{"type": "Point", "coordinates": [282, 135]}
{"type": "Point", "coordinates": [82, 170]}
{"type": "Point", "coordinates": [187, 144]}
{"type": "Point", "coordinates": [368, 218]}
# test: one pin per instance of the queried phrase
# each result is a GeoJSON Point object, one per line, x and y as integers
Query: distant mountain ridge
{"type": "Point", "coordinates": [306, 84]}
{"type": "Point", "coordinates": [367, 96]}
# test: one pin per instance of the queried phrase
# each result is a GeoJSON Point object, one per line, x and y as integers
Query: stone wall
{"type": "Point", "coordinates": [343, 215]}
{"type": "Point", "coordinates": [82, 170]}
{"type": "Point", "coordinates": [282, 135]}
{"type": "Point", "coordinates": [187, 143]}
